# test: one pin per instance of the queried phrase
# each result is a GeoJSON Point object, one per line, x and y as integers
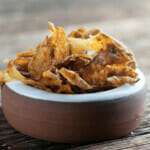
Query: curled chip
{"type": "Point", "coordinates": [21, 61]}
{"type": "Point", "coordinates": [73, 62]}
{"type": "Point", "coordinates": [83, 33]}
{"type": "Point", "coordinates": [54, 82]}
{"type": "Point", "coordinates": [84, 61]}
{"type": "Point", "coordinates": [39, 63]}
{"type": "Point", "coordinates": [4, 77]}
{"type": "Point", "coordinates": [116, 81]}
{"type": "Point", "coordinates": [25, 54]}
{"type": "Point", "coordinates": [74, 79]}
{"type": "Point", "coordinates": [14, 74]}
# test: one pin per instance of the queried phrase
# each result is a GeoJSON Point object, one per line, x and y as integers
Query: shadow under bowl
{"type": "Point", "coordinates": [74, 118]}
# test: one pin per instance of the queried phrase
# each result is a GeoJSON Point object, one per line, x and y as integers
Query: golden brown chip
{"type": "Point", "coordinates": [80, 33]}
{"type": "Point", "coordinates": [93, 32]}
{"type": "Point", "coordinates": [66, 88]}
{"type": "Point", "coordinates": [93, 73]}
{"type": "Point", "coordinates": [78, 45]}
{"type": "Point", "coordinates": [73, 62]}
{"type": "Point", "coordinates": [59, 44]}
{"type": "Point", "coordinates": [54, 82]}
{"type": "Point", "coordinates": [13, 73]}
{"type": "Point", "coordinates": [40, 62]}
{"type": "Point", "coordinates": [117, 81]}
{"type": "Point", "coordinates": [25, 74]}
{"type": "Point", "coordinates": [83, 33]}
{"type": "Point", "coordinates": [95, 77]}
{"type": "Point", "coordinates": [53, 79]}
{"type": "Point", "coordinates": [119, 70]}
{"type": "Point", "coordinates": [22, 61]}
{"type": "Point", "coordinates": [4, 77]}
{"type": "Point", "coordinates": [25, 54]}
{"type": "Point", "coordinates": [100, 42]}
{"type": "Point", "coordinates": [131, 64]}
{"type": "Point", "coordinates": [74, 78]}
{"type": "Point", "coordinates": [16, 75]}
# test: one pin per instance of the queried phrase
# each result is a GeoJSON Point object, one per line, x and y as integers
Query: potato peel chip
{"type": "Point", "coordinates": [54, 82]}
{"type": "Point", "coordinates": [25, 54]}
{"type": "Point", "coordinates": [120, 70]}
{"type": "Point", "coordinates": [73, 62]}
{"type": "Point", "coordinates": [74, 78]}
{"type": "Point", "coordinates": [4, 77]}
{"type": "Point", "coordinates": [16, 75]}
{"type": "Point", "coordinates": [39, 63]}
{"type": "Point", "coordinates": [83, 33]}
{"type": "Point", "coordinates": [59, 43]}
{"type": "Point", "coordinates": [116, 81]}
{"type": "Point", "coordinates": [54, 79]}
{"type": "Point", "coordinates": [21, 61]}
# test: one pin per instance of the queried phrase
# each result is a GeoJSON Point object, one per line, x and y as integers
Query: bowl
{"type": "Point", "coordinates": [77, 118]}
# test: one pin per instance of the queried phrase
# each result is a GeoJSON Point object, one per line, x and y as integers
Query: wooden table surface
{"type": "Point", "coordinates": [133, 32]}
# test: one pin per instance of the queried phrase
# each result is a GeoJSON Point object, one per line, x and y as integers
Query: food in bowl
{"type": "Point", "coordinates": [88, 62]}
{"type": "Point", "coordinates": [84, 61]}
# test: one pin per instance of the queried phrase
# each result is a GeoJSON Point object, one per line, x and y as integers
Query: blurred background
{"type": "Point", "coordinates": [31, 15]}
{"type": "Point", "coordinates": [24, 23]}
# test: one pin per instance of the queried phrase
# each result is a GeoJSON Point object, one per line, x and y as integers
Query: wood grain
{"type": "Point", "coordinates": [133, 32]}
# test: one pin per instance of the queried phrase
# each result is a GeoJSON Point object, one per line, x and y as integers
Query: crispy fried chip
{"type": "Point", "coordinates": [59, 44]}
{"type": "Point", "coordinates": [39, 63]}
{"type": "Point", "coordinates": [21, 61]}
{"type": "Point", "coordinates": [73, 62]}
{"type": "Point", "coordinates": [94, 75]}
{"type": "Point", "coordinates": [4, 77]}
{"type": "Point", "coordinates": [24, 73]}
{"type": "Point", "coordinates": [120, 70]}
{"type": "Point", "coordinates": [15, 74]}
{"type": "Point", "coordinates": [74, 78]}
{"type": "Point", "coordinates": [84, 61]}
{"type": "Point", "coordinates": [96, 43]}
{"type": "Point", "coordinates": [116, 81]}
{"type": "Point", "coordinates": [83, 33]}
{"type": "Point", "coordinates": [100, 42]}
{"type": "Point", "coordinates": [54, 82]}
{"type": "Point", "coordinates": [53, 79]}
{"type": "Point", "coordinates": [25, 54]}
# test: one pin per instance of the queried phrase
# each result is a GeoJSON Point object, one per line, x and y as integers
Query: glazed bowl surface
{"type": "Point", "coordinates": [74, 118]}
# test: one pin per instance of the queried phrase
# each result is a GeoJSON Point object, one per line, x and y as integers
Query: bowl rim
{"type": "Point", "coordinates": [108, 95]}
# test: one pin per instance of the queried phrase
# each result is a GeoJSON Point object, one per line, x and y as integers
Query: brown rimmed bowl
{"type": "Point", "coordinates": [75, 118]}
